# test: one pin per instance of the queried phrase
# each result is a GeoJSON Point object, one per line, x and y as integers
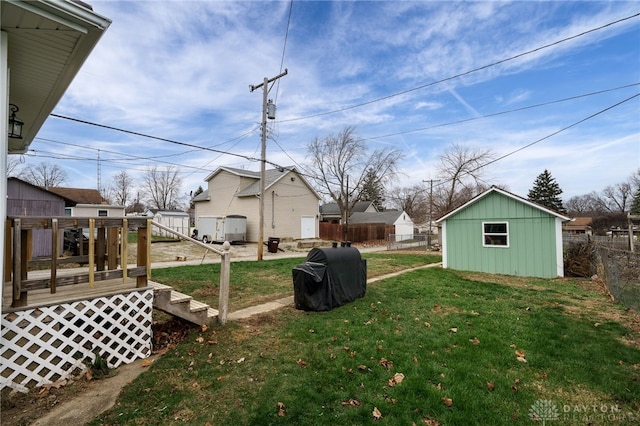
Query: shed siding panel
{"type": "Point", "coordinates": [532, 249]}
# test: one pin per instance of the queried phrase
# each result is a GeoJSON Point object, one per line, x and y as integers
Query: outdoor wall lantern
{"type": "Point", "coordinates": [15, 124]}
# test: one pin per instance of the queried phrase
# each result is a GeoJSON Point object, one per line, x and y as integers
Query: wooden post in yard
{"type": "Point", "coordinates": [223, 296]}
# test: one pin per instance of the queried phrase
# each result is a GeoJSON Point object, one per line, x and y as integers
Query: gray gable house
{"type": "Point", "coordinates": [501, 233]}
{"type": "Point", "coordinates": [290, 205]}
{"type": "Point", "coordinates": [330, 212]}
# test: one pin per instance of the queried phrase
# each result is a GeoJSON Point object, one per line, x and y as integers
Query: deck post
{"type": "Point", "coordinates": [124, 236]}
{"type": "Point", "coordinates": [54, 253]}
{"type": "Point", "coordinates": [141, 256]}
{"type": "Point", "coordinates": [19, 298]}
{"type": "Point", "coordinates": [223, 296]}
{"type": "Point", "coordinates": [7, 251]}
{"type": "Point", "coordinates": [92, 251]}
{"type": "Point", "coordinates": [112, 248]}
{"type": "Point", "coordinates": [101, 245]}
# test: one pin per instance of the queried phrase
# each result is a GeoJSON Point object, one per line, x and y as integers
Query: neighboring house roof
{"type": "Point", "coordinates": [579, 223]}
{"type": "Point", "coordinates": [271, 177]}
{"type": "Point", "coordinates": [48, 43]}
{"type": "Point", "coordinates": [331, 209]}
{"type": "Point", "coordinates": [388, 217]}
{"type": "Point", "coordinates": [203, 196]}
{"type": "Point", "coordinates": [79, 195]}
{"type": "Point", "coordinates": [506, 194]}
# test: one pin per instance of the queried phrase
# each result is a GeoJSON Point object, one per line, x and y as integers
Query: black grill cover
{"type": "Point", "coordinates": [329, 278]}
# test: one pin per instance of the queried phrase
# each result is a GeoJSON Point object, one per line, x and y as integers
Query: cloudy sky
{"type": "Point", "coordinates": [544, 85]}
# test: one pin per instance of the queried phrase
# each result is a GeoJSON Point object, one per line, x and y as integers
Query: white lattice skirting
{"type": "Point", "coordinates": [47, 344]}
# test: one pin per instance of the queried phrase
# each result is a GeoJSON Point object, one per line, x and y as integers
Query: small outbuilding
{"type": "Point", "coordinates": [501, 233]}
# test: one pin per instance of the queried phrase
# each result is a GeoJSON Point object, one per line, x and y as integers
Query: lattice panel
{"type": "Point", "coordinates": [47, 344]}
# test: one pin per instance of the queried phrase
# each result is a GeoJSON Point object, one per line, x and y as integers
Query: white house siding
{"type": "Point", "coordinates": [286, 202]}
{"type": "Point", "coordinates": [404, 227]}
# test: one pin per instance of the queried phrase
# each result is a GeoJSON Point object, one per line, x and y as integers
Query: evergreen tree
{"type": "Point", "coordinates": [635, 203]}
{"type": "Point", "coordinates": [546, 192]}
{"type": "Point", "coordinates": [372, 189]}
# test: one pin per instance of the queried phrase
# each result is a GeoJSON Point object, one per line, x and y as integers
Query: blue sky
{"type": "Point", "coordinates": [181, 70]}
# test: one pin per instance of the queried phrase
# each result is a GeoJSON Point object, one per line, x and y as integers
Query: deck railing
{"type": "Point", "coordinates": [107, 248]}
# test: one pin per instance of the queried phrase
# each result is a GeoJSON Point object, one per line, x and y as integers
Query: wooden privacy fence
{"type": "Point", "coordinates": [356, 233]}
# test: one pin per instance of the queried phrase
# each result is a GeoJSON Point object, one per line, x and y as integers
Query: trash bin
{"type": "Point", "coordinates": [329, 278]}
{"type": "Point", "coordinates": [272, 244]}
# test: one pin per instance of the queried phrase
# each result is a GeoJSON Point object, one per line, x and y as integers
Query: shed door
{"type": "Point", "coordinates": [308, 227]}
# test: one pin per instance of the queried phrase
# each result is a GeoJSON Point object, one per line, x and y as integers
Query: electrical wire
{"type": "Point", "coordinates": [465, 73]}
{"type": "Point", "coordinates": [550, 135]}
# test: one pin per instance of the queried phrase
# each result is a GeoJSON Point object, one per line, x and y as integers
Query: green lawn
{"type": "Point", "coordinates": [432, 346]}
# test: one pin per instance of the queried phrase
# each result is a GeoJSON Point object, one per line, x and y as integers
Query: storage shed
{"type": "Point", "coordinates": [501, 233]}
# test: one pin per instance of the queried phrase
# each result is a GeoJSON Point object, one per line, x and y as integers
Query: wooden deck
{"type": "Point", "coordinates": [67, 293]}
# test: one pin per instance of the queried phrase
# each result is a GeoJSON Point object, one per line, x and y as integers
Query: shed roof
{"type": "Point", "coordinates": [79, 195]}
{"type": "Point", "coordinates": [495, 189]}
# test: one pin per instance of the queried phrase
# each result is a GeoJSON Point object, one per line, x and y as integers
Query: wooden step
{"type": "Point", "coordinates": [182, 305]}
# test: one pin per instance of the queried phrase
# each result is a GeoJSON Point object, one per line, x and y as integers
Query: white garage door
{"type": "Point", "coordinates": [308, 227]}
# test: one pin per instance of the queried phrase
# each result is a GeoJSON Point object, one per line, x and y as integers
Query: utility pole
{"type": "Point", "coordinates": [263, 156]}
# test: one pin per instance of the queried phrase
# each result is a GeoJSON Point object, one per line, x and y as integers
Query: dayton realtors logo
{"type": "Point", "coordinates": [544, 410]}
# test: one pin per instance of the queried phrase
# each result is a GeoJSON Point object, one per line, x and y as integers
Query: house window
{"type": "Point", "coordinates": [495, 234]}
{"type": "Point", "coordinates": [102, 213]}
{"type": "Point", "coordinates": [67, 211]}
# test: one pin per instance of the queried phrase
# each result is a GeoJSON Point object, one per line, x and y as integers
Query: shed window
{"type": "Point", "coordinates": [102, 213]}
{"type": "Point", "coordinates": [495, 234]}
{"type": "Point", "coordinates": [67, 211]}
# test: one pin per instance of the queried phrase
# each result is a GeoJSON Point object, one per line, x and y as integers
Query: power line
{"type": "Point", "coordinates": [465, 73]}
{"type": "Point", "coordinates": [548, 136]}
{"type": "Point", "coordinates": [495, 114]}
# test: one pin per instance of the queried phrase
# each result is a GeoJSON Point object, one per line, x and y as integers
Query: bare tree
{"type": "Point", "coordinates": [617, 198]}
{"type": "Point", "coordinates": [44, 174]}
{"type": "Point", "coordinates": [584, 205]}
{"type": "Point", "coordinates": [119, 192]}
{"type": "Point", "coordinates": [413, 200]}
{"type": "Point", "coordinates": [13, 163]}
{"type": "Point", "coordinates": [163, 187]}
{"type": "Point", "coordinates": [339, 166]}
{"type": "Point", "coordinates": [460, 172]}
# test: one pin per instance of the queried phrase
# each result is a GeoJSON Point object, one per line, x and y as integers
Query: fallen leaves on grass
{"type": "Point", "coordinates": [386, 363]}
{"type": "Point", "coordinates": [377, 415]}
{"type": "Point", "coordinates": [396, 379]}
{"type": "Point", "coordinates": [430, 422]}
{"type": "Point", "coordinates": [453, 330]}
{"type": "Point", "coordinates": [491, 386]}
{"type": "Point", "coordinates": [475, 341]}
{"type": "Point", "coordinates": [447, 401]}
{"type": "Point", "coordinates": [281, 409]}
{"type": "Point", "coordinates": [301, 363]}
{"type": "Point", "coordinates": [147, 362]}
{"type": "Point", "coordinates": [351, 403]}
